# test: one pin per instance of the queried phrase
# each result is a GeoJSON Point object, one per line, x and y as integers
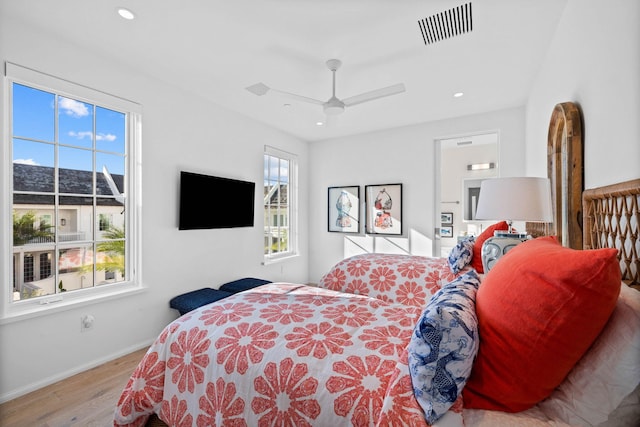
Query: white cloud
{"type": "Point", "coordinates": [25, 162]}
{"type": "Point", "coordinates": [87, 134]}
{"type": "Point", "coordinates": [73, 108]}
{"type": "Point", "coordinates": [80, 135]}
{"type": "Point", "coordinates": [105, 137]}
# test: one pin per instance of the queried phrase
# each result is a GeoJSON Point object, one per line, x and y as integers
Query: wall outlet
{"type": "Point", "coordinates": [86, 322]}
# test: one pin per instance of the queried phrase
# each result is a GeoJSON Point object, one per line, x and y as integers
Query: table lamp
{"type": "Point", "coordinates": [514, 198]}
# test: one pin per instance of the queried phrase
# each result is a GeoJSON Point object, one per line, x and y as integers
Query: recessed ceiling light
{"type": "Point", "coordinates": [458, 94]}
{"type": "Point", "coordinates": [126, 13]}
{"type": "Point", "coordinates": [319, 123]}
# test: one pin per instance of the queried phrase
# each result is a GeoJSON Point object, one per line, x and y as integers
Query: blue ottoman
{"type": "Point", "coordinates": [191, 300]}
{"type": "Point", "coordinates": [243, 284]}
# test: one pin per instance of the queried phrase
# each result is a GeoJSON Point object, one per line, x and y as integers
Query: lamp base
{"type": "Point", "coordinates": [495, 247]}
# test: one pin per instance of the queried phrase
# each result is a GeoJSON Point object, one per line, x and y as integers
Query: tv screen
{"type": "Point", "coordinates": [232, 201]}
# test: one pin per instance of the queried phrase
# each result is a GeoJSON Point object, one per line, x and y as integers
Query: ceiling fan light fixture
{"type": "Point", "coordinates": [333, 106]}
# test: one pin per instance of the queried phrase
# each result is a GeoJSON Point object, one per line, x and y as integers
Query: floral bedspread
{"type": "Point", "coordinates": [399, 278]}
{"type": "Point", "coordinates": [281, 354]}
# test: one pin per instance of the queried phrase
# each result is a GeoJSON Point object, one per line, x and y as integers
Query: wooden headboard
{"type": "Point", "coordinates": [565, 171]}
{"type": "Point", "coordinates": [603, 217]}
{"type": "Point", "coordinates": [612, 220]}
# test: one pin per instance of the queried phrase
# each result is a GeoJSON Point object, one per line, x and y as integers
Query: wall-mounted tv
{"type": "Point", "coordinates": [215, 202]}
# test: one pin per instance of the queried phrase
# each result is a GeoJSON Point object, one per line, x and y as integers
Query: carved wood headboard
{"type": "Point", "coordinates": [565, 171]}
{"type": "Point", "coordinates": [603, 217]}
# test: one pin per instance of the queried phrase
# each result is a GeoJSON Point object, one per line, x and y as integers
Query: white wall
{"type": "Point", "coordinates": [594, 60]}
{"type": "Point", "coordinates": [180, 131]}
{"type": "Point", "coordinates": [403, 155]}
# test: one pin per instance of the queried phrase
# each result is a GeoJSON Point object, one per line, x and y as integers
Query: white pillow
{"type": "Point", "coordinates": [606, 374]}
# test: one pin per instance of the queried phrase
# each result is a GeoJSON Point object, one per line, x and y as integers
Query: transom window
{"type": "Point", "coordinates": [280, 204]}
{"type": "Point", "coordinates": [73, 187]}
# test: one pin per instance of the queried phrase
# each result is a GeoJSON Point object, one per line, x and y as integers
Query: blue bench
{"type": "Point", "coordinates": [189, 301]}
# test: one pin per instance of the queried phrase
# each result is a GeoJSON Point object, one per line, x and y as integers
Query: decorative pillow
{"type": "Point", "coordinates": [607, 374]}
{"type": "Point", "coordinates": [476, 260]}
{"type": "Point", "coordinates": [461, 254]}
{"type": "Point", "coordinates": [539, 309]}
{"type": "Point", "coordinates": [443, 345]}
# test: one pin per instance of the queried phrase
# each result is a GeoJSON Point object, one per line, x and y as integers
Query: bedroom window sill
{"type": "Point", "coordinates": [58, 303]}
{"type": "Point", "coordinates": [275, 260]}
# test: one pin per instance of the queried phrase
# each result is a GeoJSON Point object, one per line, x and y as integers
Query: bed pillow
{"type": "Point", "coordinates": [607, 374]}
{"type": "Point", "coordinates": [539, 309]}
{"type": "Point", "coordinates": [443, 345]}
{"type": "Point", "coordinates": [476, 260]}
{"type": "Point", "coordinates": [461, 254]}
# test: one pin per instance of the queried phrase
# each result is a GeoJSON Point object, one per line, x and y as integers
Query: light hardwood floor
{"type": "Point", "coordinates": [87, 399]}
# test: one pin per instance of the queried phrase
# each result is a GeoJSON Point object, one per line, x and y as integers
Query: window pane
{"type": "Point", "coordinates": [79, 211]}
{"type": "Point", "coordinates": [110, 267]}
{"type": "Point", "coordinates": [111, 183]}
{"type": "Point", "coordinates": [75, 122]}
{"type": "Point", "coordinates": [29, 228]}
{"type": "Point", "coordinates": [75, 172]}
{"type": "Point", "coordinates": [75, 265]}
{"type": "Point", "coordinates": [33, 113]}
{"type": "Point", "coordinates": [110, 216]}
{"type": "Point", "coordinates": [110, 130]}
{"type": "Point", "coordinates": [33, 166]}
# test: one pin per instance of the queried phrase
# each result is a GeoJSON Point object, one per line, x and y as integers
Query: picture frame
{"type": "Point", "coordinates": [446, 232]}
{"type": "Point", "coordinates": [383, 209]}
{"type": "Point", "coordinates": [343, 209]}
{"type": "Point", "coordinates": [446, 218]}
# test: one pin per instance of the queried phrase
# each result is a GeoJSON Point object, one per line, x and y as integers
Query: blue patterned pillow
{"type": "Point", "coordinates": [461, 254]}
{"type": "Point", "coordinates": [444, 345]}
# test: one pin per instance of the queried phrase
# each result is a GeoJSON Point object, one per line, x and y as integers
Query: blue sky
{"type": "Point", "coordinates": [34, 132]}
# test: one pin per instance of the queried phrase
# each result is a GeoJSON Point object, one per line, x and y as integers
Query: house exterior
{"type": "Point", "coordinates": [35, 271]}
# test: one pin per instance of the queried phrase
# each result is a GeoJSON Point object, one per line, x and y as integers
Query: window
{"type": "Point", "coordinates": [280, 204]}
{"type": "Point", "coordinates": [74, 177]}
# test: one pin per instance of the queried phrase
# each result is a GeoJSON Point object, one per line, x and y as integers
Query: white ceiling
{"type": "Point", "coordinates": [217, 48]}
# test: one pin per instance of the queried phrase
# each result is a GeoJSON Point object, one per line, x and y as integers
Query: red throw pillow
{"type": "Point", "coordinates": [539, 309]}
{"type": "Point", "coordinates": [476, 261]}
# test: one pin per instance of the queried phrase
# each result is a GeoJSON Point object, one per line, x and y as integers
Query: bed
{"type": "Point", "coordinates": [398, 340]}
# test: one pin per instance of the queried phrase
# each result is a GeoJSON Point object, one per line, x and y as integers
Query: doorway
{"type": "Point", "coordinates": [462, 163]}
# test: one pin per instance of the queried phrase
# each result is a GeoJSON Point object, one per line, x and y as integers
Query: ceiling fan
{"type": "Point", "coordinates": [334, 105]}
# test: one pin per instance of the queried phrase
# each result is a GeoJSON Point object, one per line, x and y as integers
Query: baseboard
{"type": "Point", "coordinates": [77, 370]}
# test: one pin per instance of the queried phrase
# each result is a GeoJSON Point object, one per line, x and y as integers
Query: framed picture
{"type": "Point", "coordinates": [344, 209]}
{"type": "Point", "coordinates": [446, 231]}
{"type": "Point", "coordinates": [384, 209]}
{"type": "Point", "coordinates": [446, 218]}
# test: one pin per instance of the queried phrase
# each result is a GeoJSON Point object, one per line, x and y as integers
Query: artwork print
{"type": "Point", "coordinates": [384, 209]}
{"type": "Point", "coordinates": [344, 209]}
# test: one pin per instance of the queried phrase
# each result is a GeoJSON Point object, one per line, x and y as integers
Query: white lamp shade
{"type": "Point", "coordinates": [515, 199]}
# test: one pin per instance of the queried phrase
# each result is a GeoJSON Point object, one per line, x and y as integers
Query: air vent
{"type": "Point", "coordinates": [447, 24]}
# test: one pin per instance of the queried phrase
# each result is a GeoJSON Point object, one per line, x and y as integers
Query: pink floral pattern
{"type": "Point", "coordinates": [286, 354]}
{"type": "Point", "coordinates": [174, 412]}
{"type": "Point", "coordinates": [243, 344]}
{"type": "Point", "coordinates": [397, 278]}
{"type": "Point", "coordinates": [221, 401]}
{"type": "Point", "coordinates": [289, 382]}
{"type": "Point", "coordinates": [189, 358]}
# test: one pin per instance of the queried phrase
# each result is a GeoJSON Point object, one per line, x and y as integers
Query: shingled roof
{"type": "Point", "coordinates": [40, 179]}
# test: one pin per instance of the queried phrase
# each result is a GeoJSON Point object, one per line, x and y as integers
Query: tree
{"type": "Point", "coordinates": [113, 249]}
{"type": "Point", "coordinates": [24, 229]}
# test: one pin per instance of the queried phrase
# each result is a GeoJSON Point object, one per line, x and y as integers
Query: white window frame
{"type": "Point", "coordinates": [11, 310]}
{"type": "Point", "coordinates": [292, 199]}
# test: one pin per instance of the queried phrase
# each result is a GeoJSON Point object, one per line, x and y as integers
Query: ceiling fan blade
{"type": "Point", "coordinates": [298, 97]}
{"type": "Point", "coordinates": [262, 89]}
{"type": "Point", "coordinates": [374, 94]}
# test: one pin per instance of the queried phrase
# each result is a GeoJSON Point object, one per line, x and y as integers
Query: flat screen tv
{"type": "Point", "coordinates": [215, 202]}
